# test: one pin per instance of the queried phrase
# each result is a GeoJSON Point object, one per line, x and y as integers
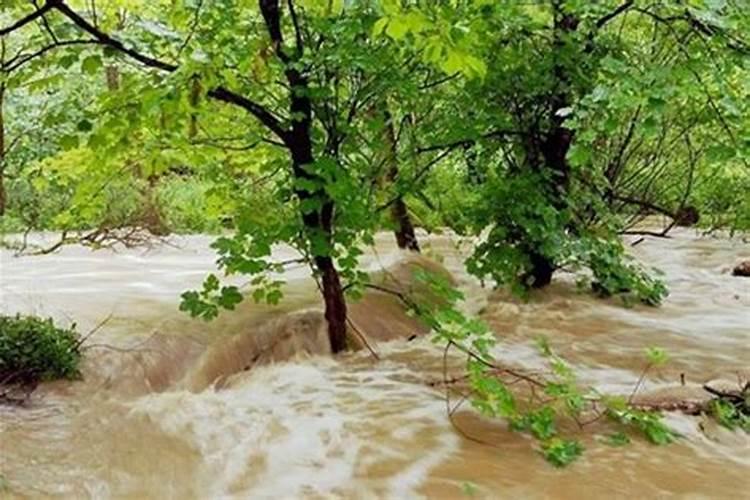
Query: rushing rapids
{"type": "Point", "coordinates": [252, 405]}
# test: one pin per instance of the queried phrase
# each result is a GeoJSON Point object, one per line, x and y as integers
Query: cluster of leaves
{"type": "Point", "coordinates": [614, 272]}
{"type": "Point", "coordinates": [637, 148]}
{"type": "Point", "coordinates": [725, 201]}
{"type": "Point", "coordinates": [733, 412]}
{"type": "Point", "coordinates": [552, 398]}
{"type": "Point", "coordinates": [34, 349]}
{"type": "Point", "coordinates": [526, 224]}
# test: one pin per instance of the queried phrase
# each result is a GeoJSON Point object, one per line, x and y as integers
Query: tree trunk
{"type": "Point", "coordinates": [554, 148]}
{"type": "Point", "coordinates": [317, 222]}
{"type": "Point", "coordinates": [558, 141]}
{"type": "Point", "coordinates": [542, 269]}
{"type": "Point", "coordinates": [405, 235]}
{"type": "Point", "coordinates": [298, 141]}
{"type": "Point", "coordinates": [335, 304]}
{"type": "Point", "coordinates": [3, 195]}
{"type": "Point", "coordinates": [320, 222]}
{"type": "Point", "coordinates": [406, 238]}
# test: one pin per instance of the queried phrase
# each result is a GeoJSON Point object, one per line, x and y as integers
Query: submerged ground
{"type": "Point", "coordinates": [150, 421]}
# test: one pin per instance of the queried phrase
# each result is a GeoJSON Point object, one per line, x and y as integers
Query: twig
{"type": "Point", "coordinates": [362, 337]}
{"type": "Point", "coordinates": [93, 331]}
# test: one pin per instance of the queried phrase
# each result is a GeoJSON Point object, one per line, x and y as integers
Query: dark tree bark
{"type": "Point", "coordinates": [318, 222]}
{"type": "Point", "coordinates": [406, 238]}
{"type": "Point", "coordinates": [556, 143]}
{"type": "Point", "coordinates": [298, 141]}
{"type": "Point", "coordinates": [3, 193]}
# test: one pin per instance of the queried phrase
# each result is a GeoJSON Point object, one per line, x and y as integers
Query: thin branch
{"type": "Point", "coordinates": [23, 58]}
{"type": "Point", "coordinates": [48, 6]}
{"type": "Point", "coordinates": [219, 93]}
{"type": "Point", "coordinates": [644, 204]}
{"type": "Point", "coordinates": [619, 10]}
{"type": "Point", "coordinates": [644, 233]}
{"type": "Point", "coordinates": [193, 28]}
{"type": "Point", "coordinates": [439, 81]}
{"type": "Point", "coordinates": [461, 142]}
{"type": "Point", "coordinates": [297, 30]}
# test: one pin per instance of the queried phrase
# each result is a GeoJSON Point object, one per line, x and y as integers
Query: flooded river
{"type": "Point", "coordinates": [166, 409]}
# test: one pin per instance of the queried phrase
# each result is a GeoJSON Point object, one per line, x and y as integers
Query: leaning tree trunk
{"type": "Point", "coordinates": [406, 238]}
{"type": "Point", "coordinates": [317, 222]}
{"type": "Point", "coordinates": [320, 222]}
{"type": "Point", "coordinates": [405, 235]}
{"type": "Point", "coordinates": [298, 140]}
{"type": "Point", "coordinates": [3, 192]}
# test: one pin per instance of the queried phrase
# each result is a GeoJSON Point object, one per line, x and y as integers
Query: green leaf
{"type": "Point", "coordinates": [379, 26]}
{"type": "Point", "coordinates": [230, 297]}
{"type": "Point", "coordinates": [397, 28]}
{"type": "Point", "coordinates": [84, 126]}
{"type": "Point", "coordinates": [67, 61]}
{"type": "Point", "coordinates": [92, 64]}
{"type": "Point", "coordinates": [560, 452]}
{"type": "Point", "coordinates": [617, 439]}
{"type": "Point", "coordinates": [68, 142]}
{"type": "Point", "coordinates": [469, 489]}
{"type": "Point", "coordinates": [211, 283]}
{"type": "Point", "coordinates": [656, 356]}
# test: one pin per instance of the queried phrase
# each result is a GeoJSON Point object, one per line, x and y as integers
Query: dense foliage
{"type": "Point", "coordinates": [34, 349]}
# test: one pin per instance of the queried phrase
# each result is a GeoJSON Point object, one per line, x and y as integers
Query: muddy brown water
{"type": "Point", "coordinates": [165, 409]}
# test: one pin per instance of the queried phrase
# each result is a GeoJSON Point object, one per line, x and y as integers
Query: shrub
{"type": "Point", "coordinates": [33, 349]}
{"type": "Point", "coordinates": [186, 205]}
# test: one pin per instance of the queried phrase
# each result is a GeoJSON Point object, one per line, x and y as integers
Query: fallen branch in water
{"type": "Point", "coordinates": [128, 237]}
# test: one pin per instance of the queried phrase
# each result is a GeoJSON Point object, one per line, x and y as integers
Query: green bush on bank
{"type": "Point", "coordinates": [33, 349]}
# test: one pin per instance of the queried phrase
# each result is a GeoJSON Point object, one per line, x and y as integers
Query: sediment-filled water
{"type": "Point", "coordinates": [176, 408]}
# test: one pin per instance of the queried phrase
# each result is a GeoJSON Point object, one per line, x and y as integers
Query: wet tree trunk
{"type": "Point", "coordinates": [3, 194]}
{"type": "Point", "coordinates": [557, 142]}
{"type": "Point", "coordinates": [406, 238]}
{"type": "Point", "coordinates": [298, 140]}
{"type": "Point", "coordinates": [318, 223]}
{"type": "Point", "coordinates": [405, 235]}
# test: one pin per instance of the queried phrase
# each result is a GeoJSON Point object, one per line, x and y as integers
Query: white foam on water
{"type": "Point", "coordinates": [290, 430]}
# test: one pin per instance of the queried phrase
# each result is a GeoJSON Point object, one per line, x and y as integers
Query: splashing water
{"type": "Point", "coordinates": [165, 412]}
